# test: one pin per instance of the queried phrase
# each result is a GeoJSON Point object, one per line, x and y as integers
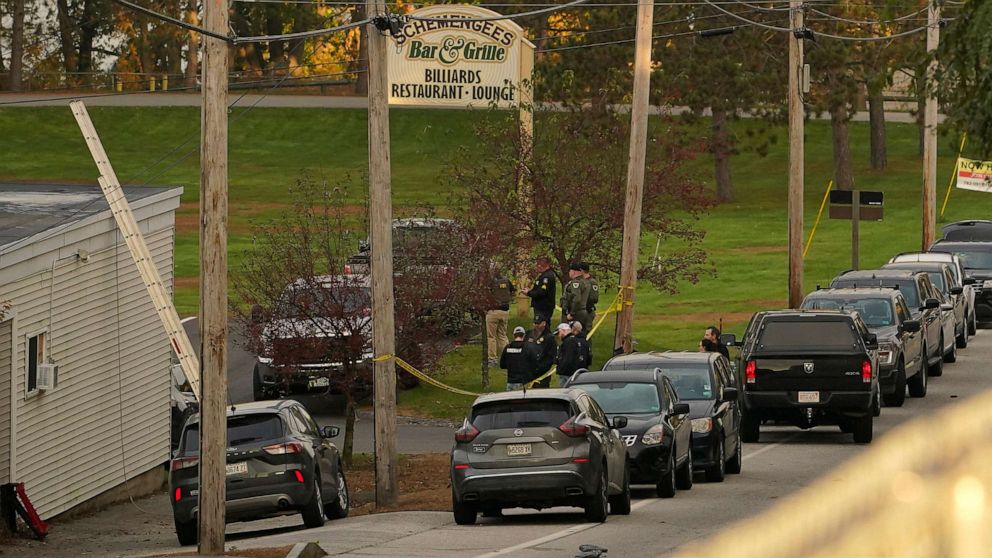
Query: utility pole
{"type": "Point", "coordinates": [213, 281]}
{"type": "Point", "coordinates": [381, 239]}
{"type": "Point", "coordinates": [930, 130]}
{"type": "Point", "coordinates": [797, 114]}
{"type": "Point", "coordinates": [635, 175]}
{"type": "Point", "coordinates": [855, 229]}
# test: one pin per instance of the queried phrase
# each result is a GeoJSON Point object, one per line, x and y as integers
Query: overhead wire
{"type": "Point", "coordinates": [653, 38]}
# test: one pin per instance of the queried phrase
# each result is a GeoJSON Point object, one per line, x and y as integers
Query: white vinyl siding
{"type": "Point", "coordinates": [6, 338]}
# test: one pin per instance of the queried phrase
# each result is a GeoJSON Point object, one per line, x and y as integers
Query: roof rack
{"type": "Point", "coordinates": [574, 375]}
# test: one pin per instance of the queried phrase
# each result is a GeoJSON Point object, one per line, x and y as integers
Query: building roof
{"type": "Point", "coordinates": [27, 210]}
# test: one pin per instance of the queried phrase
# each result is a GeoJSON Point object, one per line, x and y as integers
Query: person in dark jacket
{"type": "Point", "coordinates": [519, 359]}
{"type": "Point", "coordinates": [544, 341]}
{"type": "Point", "coordinates": [544, 292]}
{"type": "Point", "coordinates": [501, 295]}
{"type": "Point", "coordinates": [573, 353]}
{"type": "Point", "coordinates": [713, 334]}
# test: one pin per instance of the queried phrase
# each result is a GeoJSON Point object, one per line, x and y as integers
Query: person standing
{"type": "Point", "coordinates": [712, 333]}
{"type": "Point", "coordinates": [593, 298]}
{"type": "Point", "coordinates": [571, 354]}
{"type": "Point", "coordinates": [575, 299]}
{"type": "Point", "coordinates": [544, 342]}
{"type": "Point", "coordinates": [519, 359]}
{"type": "Point", "coordinates": [501, 293]}
{"type": "Point", "coordinates": [544, 292]}
{"type": "Point", "coordinates": [585, 348]}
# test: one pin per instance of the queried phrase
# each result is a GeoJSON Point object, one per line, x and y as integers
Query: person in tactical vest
{"type": "Point", "coordinates": [544, 341]}
{"type": "Point", "coordinates": [501, 294]}
{"type": "Point", "coordinates": [575, 300]}
{"type": "Point", "coordinates": [543, 293]}
{"type": "Point", "coordinates": [519, 359]}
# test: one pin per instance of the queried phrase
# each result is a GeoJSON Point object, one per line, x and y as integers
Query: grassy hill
{"type": "Point", "coordinates": [269, 148]}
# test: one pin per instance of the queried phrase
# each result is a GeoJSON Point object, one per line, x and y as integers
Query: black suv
{"type": "Point", "coordinates": [279, 462]}
{"type": "Point", "coordinates": [923, 303]}
{"type": "Point", "coordinates": [943, 281]}
{"type": "Point", "coordinates": [809, 368]}
{"type": "Point", "coordinates": [900, 343]}
{"type": "Point", "coordinates": [539, 449]}
{"type": "Point", "coordinates": [979, 230]}
{"type": "Point", "coordinates": [658, 431]}
{"type": "Point", "coordinates": [976, 257]}
{"type": "Point", "coordinates": [708, 383]}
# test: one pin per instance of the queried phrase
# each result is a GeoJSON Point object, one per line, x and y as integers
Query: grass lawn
{"type": "Point", "coordinates": [745, 240]}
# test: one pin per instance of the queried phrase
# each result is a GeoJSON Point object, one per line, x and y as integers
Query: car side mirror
{"type": "Point", "coordinates": [728, 340]}
{"type": "Point", "coordinates": [969, 281]}
{"type": "Point", "coordinates": [619, 422]}
{"type": "Point", "coordinates": [729, 394]}
{"type": "Point", "coordinates": [957, 290]}
{"type": "Point", "coordinates": [911, 326]}
{"type": "Point", "coordinates": [931, 304]}
{"type": "Point", "coordinates": [871, 342]}
{"type": "Point", "coordinates": [330, 431]}
{"type": "Point", "coordinates": [681, 409]}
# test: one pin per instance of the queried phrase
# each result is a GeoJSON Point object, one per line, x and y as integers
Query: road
{"type": "Point", "coordinates": [784, 461]}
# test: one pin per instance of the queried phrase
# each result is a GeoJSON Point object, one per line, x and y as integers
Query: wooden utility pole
{"type": "Point", "coordinates": [381, 236]}
{"type": "Point", "coordinates": [213, 281]}
{"type": "Point", "coordinates": [635, 175]}
{"type": "Point", "coordinates": [855, 229]}
{"type": "Point", "coordinates": [797, 114]}
{"type": "Point", "coordinates": [930, 131]}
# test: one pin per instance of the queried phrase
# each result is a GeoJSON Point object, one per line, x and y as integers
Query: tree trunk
{"type": "Point", "coordinates": [87, 35]}
{"type": "Point", "coordinates": [721, 156]}
{"type": "Point", "coordinates": [485, 354]}
{"type": "Point", "coordinates": [362, 79]}
{"type": "Point", "coordinates": [843, 174]}
{"type": "Point", "coordinates": [17, 47]}
{"type": "Point", "coordinates": [273, 26]}
{"type": "Point", "coordinates": [65, 37]}
{"type": "Point", "coordinates": [921, 129]}
{"type": "Point", "coordinates": [349, 428]}
{"type": "Point", "coordinates": [876, 119]}
{"type": "Point", "coordinates": [192, 45]}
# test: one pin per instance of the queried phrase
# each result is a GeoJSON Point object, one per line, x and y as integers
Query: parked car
{"type": "Point", "coordinates": [808, 368]}
{"type": "Point", "coordinates": [924, 302]}
{"type": "Point", "coordinates": [539, 449]}
{"type": "Point", "coordinates": [279, 462]}
{"type": "Point", "coordinates": [942, 279]}
{"type": "Point", "coordinates": [658, 431]}
{"type": "Point", "coordinates": [708, 383]}
{"type": "Point", "coordinates": [976, 257]}
{"type": "Point", "coordinates": [900, 341]}
{"type": "Point", "coordinates": [979, 230]}
{"type": "Point", "coordinates": [960, 278]}
{"type": "Point", "coordinates": [408, 235]}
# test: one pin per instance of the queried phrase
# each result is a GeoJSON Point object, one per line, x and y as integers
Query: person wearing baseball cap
{"type": "Point", "coordinates": [571, 356]}
{"type": "Point", "coordinates": [544, 341]}
{"type": "Point", "coordinates": [519, 359]}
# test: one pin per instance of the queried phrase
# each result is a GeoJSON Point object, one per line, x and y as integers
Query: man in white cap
{"type": "Point", "coordinates": [571, 355]}
{"type": "Point", "coordinates": [519, 359]}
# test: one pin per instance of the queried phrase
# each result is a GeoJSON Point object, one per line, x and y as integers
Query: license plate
{"type": "Point", "coordinates": [320, 382]}
{"type": "Point", "coordinates": [517, 450]}
{"type": "Point", "coordinates": [809, 397]}
{"type": "Point", "coordinates": [239, 468]}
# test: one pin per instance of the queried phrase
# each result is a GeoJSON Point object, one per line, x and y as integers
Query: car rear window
{"type": "Point", "coordinates": [876, 312]}
{"type": "Point", "coordinates": [974, 259]}
{"type": "Point", "coordinates": [244, 429]}
{"type": "Point", "coordinates": [618, 398]}
{"type": "Point", "coordinates": [795, 335]}
{"type": "Point", "coordinates": [521, 414]}
{"type": "Point", "coordinates": [692, 383]}
{"type": "Point", "coordinates": [906, 286]}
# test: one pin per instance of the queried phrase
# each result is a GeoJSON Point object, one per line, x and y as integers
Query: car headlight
{"type": "Point", "coordinates": [886, 354]}
{"type": "Point", "coordinates": [653, 436]}
{"type": "Point", "coordinates": [702, 425]}
{"type": "Point", "coordinates": [987, 284]}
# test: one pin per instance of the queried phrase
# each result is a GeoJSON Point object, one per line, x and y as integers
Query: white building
{"type": "Point", "coordinates": [76, 300]}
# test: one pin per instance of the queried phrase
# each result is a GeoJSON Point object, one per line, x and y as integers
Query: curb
{"type": "Point", "coordinates": [307, 550]}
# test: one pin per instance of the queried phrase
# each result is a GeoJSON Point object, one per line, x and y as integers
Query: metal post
{"type": "Point", "coordinates": [635, 174]}
{"type": "Point", "coordinates": [381, 237]}
{"type": "Point", "coordinates": [855, 228]}
{"type": "Point", "coordinates": [796, 157]}
{"type": "Point", "coordinates": [930, 131]}
{"type": "Point", "coordinates": [213, 281]}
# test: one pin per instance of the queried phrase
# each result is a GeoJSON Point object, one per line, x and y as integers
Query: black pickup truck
{"type": "Point", "coordinates": [809, 368]}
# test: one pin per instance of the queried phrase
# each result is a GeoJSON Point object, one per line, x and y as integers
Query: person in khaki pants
{"type": "Point", "coordinates": [502, 291]}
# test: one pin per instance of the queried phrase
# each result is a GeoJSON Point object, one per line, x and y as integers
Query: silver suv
{"type": "Point", "coordinates": [539, 449]}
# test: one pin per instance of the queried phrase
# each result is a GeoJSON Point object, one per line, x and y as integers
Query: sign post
{"type": "Point", "coordinates": [857, 206]}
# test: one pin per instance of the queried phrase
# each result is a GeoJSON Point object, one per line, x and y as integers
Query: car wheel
{"type": "Point", "coordinates": [683, 477]}
{"type": "Point", "coordinates": [876, 409]}
{"type": "Point", "coordinates": [338, 509]}
{"type": "Point", "coordinates": [937, 369]}
{"type": "Point", "coordinates": [666, 486]}
{"type": "Point", "coordinates": [862, 428]}
{"type": "Point", "coordinates": [465, 514]}
{"type": "Point", "coordinates": [257, 391]}
{"type": "Point", "coordinates": [750, 429]}
{"type": "Point", "coordinates": [620, 504]}
{"type": "Point", "coordinates": [962, 340]}
{"type": "Point", "coordinates": [951, 355]}
{"type": "Point", "coordinates": [972, 324]}
{"type": "Point", "coordinates": [187, 532]}
{"type": "Point", "coordinates": [596, 508]}
{"type": "Point", "coordinates": [736, 460]}
{"type": "Point", "coordinates": [918, 383]}
{"type": "Point", "coordinates": [897, 397]}
{"type": "Point", "coordinates": [716, 472]}
{"type": "Point", "coordinates": [313, 512]}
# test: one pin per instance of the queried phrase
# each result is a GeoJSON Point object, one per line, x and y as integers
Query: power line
{"type": "Point", "coordinates": [687, 19]}
{"type": "Point", "coordinates": [552, 8]}
{"type": "Point", "coordinates": [653, 38]}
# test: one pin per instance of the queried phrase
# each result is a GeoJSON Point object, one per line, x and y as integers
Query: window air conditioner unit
{"type": "Point", "coordinates": [47, 374]}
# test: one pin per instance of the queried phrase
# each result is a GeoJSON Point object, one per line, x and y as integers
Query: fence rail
{"type": "Point", "coordinates": [161, 81]}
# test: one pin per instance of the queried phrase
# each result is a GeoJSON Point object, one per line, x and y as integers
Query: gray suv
{"type": "Point", "coordinates": [539, 449]}
{"type": "Point", "coordinates": [279, 462]}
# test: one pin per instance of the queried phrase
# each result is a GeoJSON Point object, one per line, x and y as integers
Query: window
{"type": "Point", "coordinates": [35, 357]}
{"type": "Point", "coordinates": [800, 335]}
{"type": "Point", "coordinates": [618, 398]}
{"type": "Point", "coordinates": [691, 381]}
{"type": "Point", "coordinates": [245, 429]}
{"type": "Point", "coordinates": [307, 425]}
{"type": "Point", "coordinates": [521, 414]}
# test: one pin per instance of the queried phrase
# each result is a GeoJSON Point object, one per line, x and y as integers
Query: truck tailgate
{"type": "Point", "coordinates": [819, 372]}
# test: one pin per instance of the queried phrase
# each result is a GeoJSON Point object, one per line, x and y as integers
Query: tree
{"type": "Point", "coordinates": [17, 47]}
{"type": "Point", "coordinates": [964, 77]}
{"type": "Point", "coordinates": [576, 174]}
{"type": "Point", "coordinates": [837, 77]}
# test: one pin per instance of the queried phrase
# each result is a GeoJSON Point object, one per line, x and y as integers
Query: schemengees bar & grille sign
{"type": "Point", "coordinates": [458, 62]}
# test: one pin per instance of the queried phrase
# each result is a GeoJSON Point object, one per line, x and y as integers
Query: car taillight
{"type": "Point", "coordinates": [179, 494]}
{"type": "Point", "coordinates": [571, 428]}
{"type": "Point", "coordinates": [581, 460]}
{"type": "Point", "coordinates": [750, 371]}
{"type": "Point", "coordinates": [461, 466]}
{"type": "Point", "coordinates": [184, 463]}
{"type": "Point", "coordinates": [466, 433]}
{"type": "Point", "coordinates": [299, 476]}
{"type": "Point", "coordinates": [283, 449]}
{"type": "Point", "coordinates": [866, 371]}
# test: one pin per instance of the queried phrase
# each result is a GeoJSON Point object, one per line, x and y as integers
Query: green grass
{"type": "Point", "coordinates": [745, 240]}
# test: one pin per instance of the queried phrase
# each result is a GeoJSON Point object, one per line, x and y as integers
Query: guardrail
{"type": "Point", "coordinates": [924, 490]}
